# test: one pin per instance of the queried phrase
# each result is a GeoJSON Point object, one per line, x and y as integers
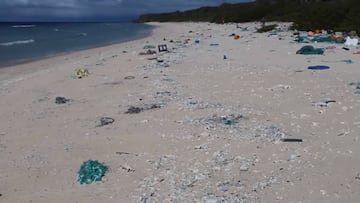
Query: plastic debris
{"type": "Point", "coordinates": [347, 61]}
{"type": "Point", "coordinates": [61, 100]}
{"type": "Point", "coordinates": [271, 133]}
{"type": "Point", "coordinates": [357, 86]}
{"type": "Point", "coordinates": [105, 121]}
{"type": "Point", "coordinates": [135, 110]}
{"type": "Point", "coordinates": [318, 67]}
{"type": "Point", "coordinates": [291, 140]}
{"type": "Point", "coordinates": [162, 48]}
{"type": "Point", "coordinates": [130, 77]}
{"type": "Point", "coordinates": [308, 50]}
{"type": "Point", "coordinates": [81, 72]}
{"type": "Point", "coordinates": [91, 171]}
{"type": "Point", "coordinates": [149, 47]}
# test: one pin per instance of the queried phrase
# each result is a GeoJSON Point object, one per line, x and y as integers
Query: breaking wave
{"type": "Point", "coordinates": [22, 26]}
{"type": "Point", "coordinates": [17, 42]}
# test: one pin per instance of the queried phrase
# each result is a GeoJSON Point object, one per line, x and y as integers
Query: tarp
{"type": "Point", "coordinates": [309, 50]}
{"type": "Point", "coordinates": [351, 41]}
{"type": "Point", "coordinates": [318, 67]}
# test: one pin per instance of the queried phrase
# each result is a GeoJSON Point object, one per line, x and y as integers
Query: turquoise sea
{"type": "Point", "coordinates": [22, 42]}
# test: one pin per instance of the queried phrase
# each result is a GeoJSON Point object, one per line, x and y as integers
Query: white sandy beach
{"type": "Point", "coordinates": [213, 136]}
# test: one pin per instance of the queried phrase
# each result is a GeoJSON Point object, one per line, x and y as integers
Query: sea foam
{"type": "Point", "coordinates": [22, 26]}
{"type": "Point", "coordinates": [17, 42]}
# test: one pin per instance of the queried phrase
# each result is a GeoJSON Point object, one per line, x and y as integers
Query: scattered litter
{"type": "Point", "coordinates": [357, 86]}
{"type": "Point", "coordinates": [323, 102]}
{"type": "Point", "coordinates": [216, 120]}
{"type": "Point", "coordinates": [152, 58]}
{"type": "Point", "coordinates": [270, 133]}
{"type": "Point", "coordinates": [196, 105]}
{"type": "Point", "coordinates": [130, 77]}
{"type": "Point", "coordinates": [318, 67]}
{"type": "Point", "coordinates": [105, 121]}
{"type": "Point", "coordinates": [112, 83]}
{"type": "Point", "coordinates": [280, 87]}
{"type": "Point", "coordinates": [312, 37]}
{"type": "Point", "coordinates": [291, 140]}
{"type": "Point", "coordinates": [330, 47]}
{"type": "Point", "coordinates": [214, 44]}
{"type": "Point", "coordinates": [327, 100]}
{"type": "Point", "coordinates": [231, 119]}
{"type": "Point", "coordinates": [136, 110]}
{"type": "Point", "coordinates": [351, 41]}
{"type": "Point", "coordinates": [348, 61]}
{"type": "Point", "coordinates": [61, 100]}
{"type": "Point", "coordinates": [127, 168]}
{"type": "Point", "coordinates": [126, 153]}
{"type": "Point", "coordinates": [162, 48]}
{"type": "Point", "coordinates": [91, 171]}
{"type": "Point", "coordinates": [81, 72]}
{"type": "Point", "coordinates": [148, 52]}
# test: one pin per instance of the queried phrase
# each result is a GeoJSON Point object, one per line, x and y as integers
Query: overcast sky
{"type": "Point", "coordinates": [59, 10]}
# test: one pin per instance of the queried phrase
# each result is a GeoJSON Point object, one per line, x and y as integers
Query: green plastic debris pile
{"type": "Point", "coordinates": [149, 46]}
{"type": "Point", "coordinates": [91, 171]}
{"type": "Point", "coordinates": [309, 50]}
{"type": "Point", "coordinates": [307, 39]}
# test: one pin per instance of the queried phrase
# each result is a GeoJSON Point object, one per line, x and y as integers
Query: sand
{"type": "Point", "coordinates": [209, 129]}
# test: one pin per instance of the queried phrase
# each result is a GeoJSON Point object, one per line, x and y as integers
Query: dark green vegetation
{"type": "Point", "coordinates": [341, 15]}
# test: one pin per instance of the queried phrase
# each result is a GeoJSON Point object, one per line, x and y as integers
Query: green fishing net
{"type": "Point", "coordinates": [91, 171]}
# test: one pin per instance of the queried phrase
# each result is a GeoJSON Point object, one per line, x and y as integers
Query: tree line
{"type": "Point", "coordinates": [338, 15]}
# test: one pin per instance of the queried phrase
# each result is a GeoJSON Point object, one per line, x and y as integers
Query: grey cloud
{"type": "Point", "coordinates": [85, 9]}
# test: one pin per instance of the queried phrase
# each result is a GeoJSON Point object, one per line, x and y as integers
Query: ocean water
{"type": "Point", "coordinates": [21, 42]}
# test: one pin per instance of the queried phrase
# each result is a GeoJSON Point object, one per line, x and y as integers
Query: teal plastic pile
{"type": "Point", "coordinates": [91, 171]}
{"type": "Point", "coordinates": [309, 50]}
{"type": "Point", "coordinates": [319, 39]}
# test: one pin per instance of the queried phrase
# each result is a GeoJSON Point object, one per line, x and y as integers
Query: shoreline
{"type": "Point", "coordinates": [139, 36]}
{"type": "Point", "coordinates": [20, 67]}
{"type": "Point", "coordinates": [213, 119]}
